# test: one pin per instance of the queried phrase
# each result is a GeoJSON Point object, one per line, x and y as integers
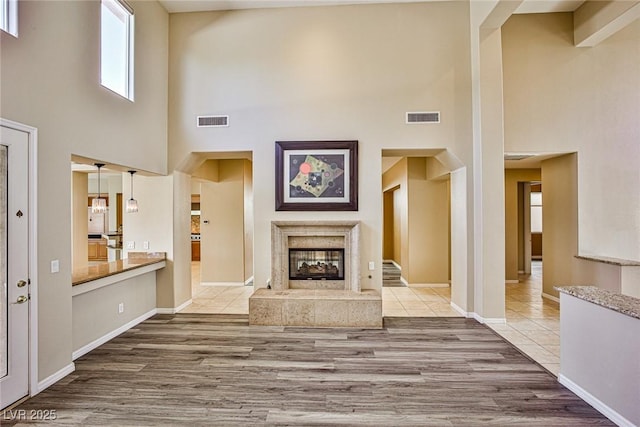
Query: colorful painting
{"type": "Point", "coordinates": [319, 175]}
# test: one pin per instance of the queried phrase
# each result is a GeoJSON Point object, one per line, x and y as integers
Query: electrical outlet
{"type": "Point", "coordinates": [145, 245]}
{"type": "Point", "coordinates": [131, 245]}
{"type": "Point", "coordinates": [121, 308]}
{"type": "Point", "coordinates": [55, 266]}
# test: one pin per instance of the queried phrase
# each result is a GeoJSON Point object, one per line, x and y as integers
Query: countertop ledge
{"type": "Point", "coordinates": [135, 260]}
{"type": "Point", "coordinates": [624, 304]}
{"type": "Point", "coordinates": [608, 260]}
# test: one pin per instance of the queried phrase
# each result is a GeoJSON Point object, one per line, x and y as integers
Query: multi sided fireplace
{"type": "Point", "coordinates": [316, 264]}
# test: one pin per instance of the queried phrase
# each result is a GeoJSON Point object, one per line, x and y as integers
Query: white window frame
{"type": "Point", "coordinates": [120, 6]}
{"type": "Point", "coordinates": [9, 17]}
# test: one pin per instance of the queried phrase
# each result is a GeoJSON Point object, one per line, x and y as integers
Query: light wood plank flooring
{"type": "Point", "coordinates": [210, 370]}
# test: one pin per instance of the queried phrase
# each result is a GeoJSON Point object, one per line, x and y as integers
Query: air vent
{"type": "Point", "coordinates": [212, 121]}
{"type": "Point", "coordinates": [423, 117]}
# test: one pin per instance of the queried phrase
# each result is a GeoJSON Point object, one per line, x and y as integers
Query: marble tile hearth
{"type": "Point", "coordinates": [315, 302]}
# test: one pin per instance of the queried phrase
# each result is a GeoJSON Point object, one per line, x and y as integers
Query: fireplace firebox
{"type": "Point", "coordinates": [316, 264]}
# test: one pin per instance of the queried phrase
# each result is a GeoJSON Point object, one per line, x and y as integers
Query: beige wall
{"type": "Point", "coordinates": [421, 215]}
{"type": "Point", "coordinates": [560, 98]}
{"type": "Point", "coordinates": [50, 80]}
{"type": "Point", "coordinates": [308, 74]}
{"type": "Point", "coordinates": [223, 238]}
{"type": "Point", "coordinates": [560, 219]}
{"type": "Point", "coordinates": [79, 219]}
{"type": "Point", "coordinates": [512, 232]}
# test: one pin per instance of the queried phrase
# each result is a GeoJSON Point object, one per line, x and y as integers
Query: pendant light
{"type": "Point", "coordinates": [132, 204]}
{"type": "Point", "coordinates": [99, 205]}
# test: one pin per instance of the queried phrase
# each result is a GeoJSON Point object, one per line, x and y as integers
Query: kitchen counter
{"type": "Point", "coordinates": [135, 260]}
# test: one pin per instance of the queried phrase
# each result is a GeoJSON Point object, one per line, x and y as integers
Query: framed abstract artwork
{"type": "Point", "coordinates": [316, 175]}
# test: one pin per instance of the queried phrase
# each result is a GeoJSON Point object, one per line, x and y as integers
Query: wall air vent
{"type": "Point", "coordinates": [423, 117]}
{"type": "Point", "coordinates": [212, 121]}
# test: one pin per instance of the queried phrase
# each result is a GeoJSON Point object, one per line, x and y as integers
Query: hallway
{"type": "Point", "coordinates": [533, 323]}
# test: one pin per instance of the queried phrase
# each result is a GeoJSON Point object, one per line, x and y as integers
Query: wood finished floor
{"type": "Point", "coordinates": [215, 370]}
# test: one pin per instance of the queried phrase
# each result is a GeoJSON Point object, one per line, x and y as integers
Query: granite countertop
{"type": "Point", "coordinates": [135, 260]}
{"type": "Point", "coordinates": [624, 304]}
{"type": "Point", "coordinates": [608, 260]}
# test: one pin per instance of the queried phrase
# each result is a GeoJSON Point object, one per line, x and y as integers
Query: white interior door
{"type": "Point", "coordinates": [14, 265]}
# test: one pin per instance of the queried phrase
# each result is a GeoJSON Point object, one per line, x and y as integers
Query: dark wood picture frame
{"type": "Point", "coordinates": [333, 168]}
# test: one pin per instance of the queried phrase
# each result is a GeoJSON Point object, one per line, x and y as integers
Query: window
{"type": "Point", "coordinates": [9, 16]}
{"type": "Point", "coordinates": [116, 47]}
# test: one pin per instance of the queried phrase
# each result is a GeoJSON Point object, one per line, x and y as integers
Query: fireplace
{"type": "Point", "coordinates": [316, 264]}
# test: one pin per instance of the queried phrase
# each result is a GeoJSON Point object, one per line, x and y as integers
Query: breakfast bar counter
{"type": "Point", "coordinates": [99, 271]}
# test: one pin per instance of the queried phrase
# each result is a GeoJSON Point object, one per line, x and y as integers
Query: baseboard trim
{"type": "Point", "coordinates": [249, 280]}
{"type": "Point", "coordinates": [459, 310]}
{"type": "Point", "coordinates": [429, 285]}
{"type": "Point", "coordinates": [403, 281]}
{"type": "Point", "coordinates": [111, 335]}
{"type": "Point", "coordinates": [174, 310]}
{"type": "Point", "coordinates": [551, 297]}
{"type": "Point", "coordinates": [222, 283]}
{"type": "Point", "coordinates": [600, 406]}
{"type": "Point", "coordinates": [54, 378]}
{"type": "Point", "coordinates": [489, 320]}
{"type": "Point", "coordinates": [512, 281]}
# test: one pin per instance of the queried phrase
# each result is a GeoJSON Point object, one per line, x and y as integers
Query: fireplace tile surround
{"type": "Point", "coordinates": [315, 303]}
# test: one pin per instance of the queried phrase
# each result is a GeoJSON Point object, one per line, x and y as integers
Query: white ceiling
{"type": "Point", "coordinates": [175, 6]}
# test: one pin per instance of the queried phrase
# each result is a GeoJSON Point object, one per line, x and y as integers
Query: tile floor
{"type": "Point", "coordinates": [533, 323]}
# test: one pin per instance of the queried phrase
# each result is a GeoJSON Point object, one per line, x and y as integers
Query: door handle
{"type": "Point", "coordinates": [21, 300]}
{"type": "Point", "coordinates": [21, 283]}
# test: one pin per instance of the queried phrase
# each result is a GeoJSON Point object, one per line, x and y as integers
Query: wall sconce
{"type": "Point", "coordinates": [132, 204]}
{"type": "Point", "coordinates": [99, 205]}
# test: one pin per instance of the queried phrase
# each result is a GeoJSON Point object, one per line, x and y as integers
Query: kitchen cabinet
{"type": "Point", "coordinates": [195, 250]}
{"type": "Point", "coordinates": [97, 250]}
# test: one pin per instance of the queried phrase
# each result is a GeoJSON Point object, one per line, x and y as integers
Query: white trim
{"type": "Point", "coordinates": [111, 335]}
{"type": "Point", "coordinates": [222, 284]}
{"type": "Point", "coordinates": [512, 281]}
{"type": "Point", "coordinates": [174, 310]}
{"type": "Point", "coordinates": [54, 378]}
{"type": "Point", "coordinates": [33, 248]}
{"type": "Point", "coordinates": [92, 285]}
{"type": "Point", "coordinates": [595, 402]}
{"type": "Point", "coordinates": [402, 280]}
{"type": "Point", "coordinates": [460, 310]}
{"type": "Point", "coordinates": [249, 280]}
{"type": "Point", "coordinates": [551, 297]}
{"type": "Point", "coordinates": [429, 285]}
{"type": "Point", "coordinates": [489, 320]}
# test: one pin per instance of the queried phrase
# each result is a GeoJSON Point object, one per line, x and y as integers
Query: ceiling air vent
{"type": "Point", "coordinates": [423, 117]}
{"type": "Point", "coordinates": [212, 121]}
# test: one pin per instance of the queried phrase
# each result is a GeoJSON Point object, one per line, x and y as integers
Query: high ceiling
{"type": "Point", "coordinates": [175, 6]}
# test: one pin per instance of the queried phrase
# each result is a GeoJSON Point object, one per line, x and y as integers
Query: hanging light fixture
{"type": "Point", "coordinates": [99, 205]}
{"type": "Point", "coordinates": [132, 204]}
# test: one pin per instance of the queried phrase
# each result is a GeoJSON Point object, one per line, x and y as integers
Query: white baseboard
{"type": "Point", "coordinates": [249, 280]}
{"type": "Point", "coordinates": [111, 335]}
{"type": "Point", "coordinates": [403, 281]}
{"type": "Point", "coordinates": [512, 281]}
{"type": "Point", "coordinates": [600, 406]}
{"type": "Point", "coordinates": [429, 285]}
{"type": "Point", "coordinates": [174, 310]}
{"type": "Point", "coordinates": [52, 379]}
{"type": "Point", "coordinates": [459, 310]}
{"type": "Point", "coordinates": [489, 320]}
{"type": "Point", "coordinates": [551, 297]}
{"type": "Point", "coordinates": [222, 283]}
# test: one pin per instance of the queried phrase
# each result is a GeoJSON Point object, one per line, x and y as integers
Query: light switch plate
{"type": "Point", "coordinates": [145, 245]}
{"type": "Point", "coordinates": [55, 266]}
{"type": "Point", "coordinates": [131, 245]}
{"type": "Point", "coordinates": [372, 265]}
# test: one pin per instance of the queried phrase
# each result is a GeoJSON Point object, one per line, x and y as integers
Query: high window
{"type": "Point", "coordinates": [9, 16]}
{"type": "Point", "coordinates": [116, 47]}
